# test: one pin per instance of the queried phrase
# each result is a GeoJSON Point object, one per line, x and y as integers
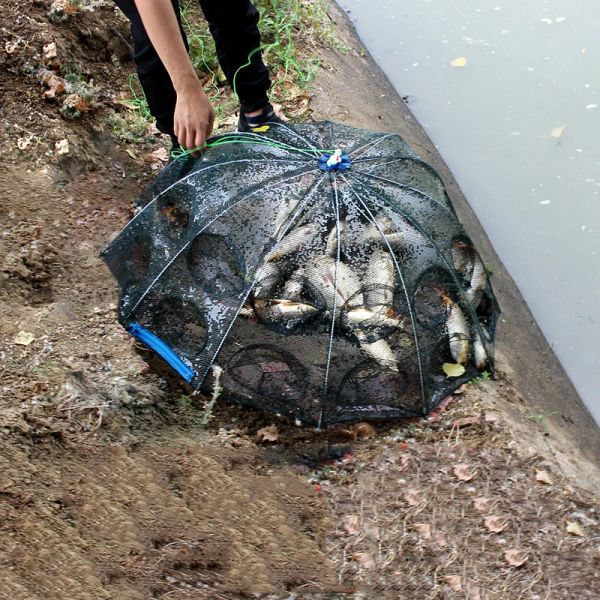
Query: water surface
{"type": "Point", "coordinates": [519, 127]}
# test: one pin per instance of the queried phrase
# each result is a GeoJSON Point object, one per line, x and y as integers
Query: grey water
{"type": "Point", "coordinates": [519, 127]}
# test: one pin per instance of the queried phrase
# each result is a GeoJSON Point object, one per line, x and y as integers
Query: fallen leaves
{"type": "Point", "coordinates": [482, 504]}
{"type": "Point", "coordinates": [543, 477]}
{"type": "Point", "coordinates": [463, 472]}
{"type": "Point", "coordinates": [459, 62]}
{"type": "Point", "coordinates": [454, 582]}
{"type": "Point", "coordinates": [268, 434]}
{"type": "Point", "coordinates": [423, 529]}
{"type": "Point", "coordinates": [515, 558]}
{"type": "Point", "coordinates": [49, 50]}
{"type": "Point", "coordinates": [495, 524]}
{"type": "Point", "coordinates": [413, 497]}
{"type": "Point", "coordinates": [74, 105]}
{"type": "Point", "coordinates": [453, 369]}
{"type": "Point", "coordinates": [62, 146]}
{"type": "Point", "coordinates": [55, 85]}
{"type": "Point", "coordinates": [557, 131]}
{"type": "Point", "coordinates": [575, 528]}
{"type": "Point", "coordinates": [352, 524]}
{"type": "Point", "coordinates": [23, 338]}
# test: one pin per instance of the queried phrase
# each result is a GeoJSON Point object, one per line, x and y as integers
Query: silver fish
{"type": "Point", "coordinates": [366, 319]}
{"type": "Point", "coordinates": [268, 279]}
{"type": "Point", "coordinates": [294, 241]}
{"type": "Point", "coordinates": [293, 287]}
{"type": "Point", "coordinates": [381, 352]}
{"type": "Point", "coordinates": [332, 238]}
{"type": "Point", "coordinates": [284, 311]}
{"type": "Point", "coordinates": [480, 356]}
{"type": "Point", "coordinates": [246, 311]}
{"type": "Point", "coordinates": [321, 274]}
{"type": "Point", "coordinates": [379, 282]}
{"type": "Point", "coordinates": [458, 332]}
{"type": "Point", "coordinates": [462, 258]}
{"type": "Point", "coordinates": [478, 281]}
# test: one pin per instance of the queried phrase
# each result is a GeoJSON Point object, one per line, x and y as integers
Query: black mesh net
{"type": "Point", "coordinates": [327, 286]}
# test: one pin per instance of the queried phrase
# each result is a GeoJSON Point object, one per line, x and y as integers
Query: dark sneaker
{"type": "Point", "coordinates": [259, 123]}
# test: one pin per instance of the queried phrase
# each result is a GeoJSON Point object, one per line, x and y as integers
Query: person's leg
{"type": "Point", "coordinates": [234, 27]}
{"type": "Point", "coordinates": [154, 78]}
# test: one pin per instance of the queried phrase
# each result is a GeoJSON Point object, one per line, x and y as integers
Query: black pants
{"type": "Point", "coordinates": [234, 27]}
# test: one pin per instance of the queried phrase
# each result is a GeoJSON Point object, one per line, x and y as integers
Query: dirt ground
{"type": "Point", "coordinates": [111, 484]}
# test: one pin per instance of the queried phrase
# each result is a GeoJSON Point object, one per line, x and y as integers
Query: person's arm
{"type": "Point", "coordinates": [194, 114]}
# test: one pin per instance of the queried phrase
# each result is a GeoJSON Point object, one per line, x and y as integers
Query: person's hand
{"type": "Point", "coordinates": [194, 116]}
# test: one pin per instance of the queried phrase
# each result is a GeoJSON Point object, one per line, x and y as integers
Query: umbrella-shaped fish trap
{"type": "Point", "coordinates": [321, 267]}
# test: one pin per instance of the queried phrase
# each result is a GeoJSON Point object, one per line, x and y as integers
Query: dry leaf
{"type": "Point", "coordinates": [49, 50]}
{"type": "Point", "coordinates": [413, 497]}
{"type": "Point", "coordinates": [76, 103]}
{"type": "Point", "coordinates": [268, 433]}
{"type": "Point", "coordinates": [454, 581]}
{"type": "Point", "coordinates": [423, 529]}
{"type": "Point", "coordinates": [461, 61]}
{"type": "Point", "coordinates": [24, 338]}
{"type": "Point", "coordinates": [543, 477]}
{"type": "Point", "coordinates": [62, 146]}
{"type": "Point", "coordinates": [575, 528]}
{"type": "Point", "coordinates": [557, 131]}
{"type": "Point", "coordinates": [372, 532]}
{"type": "Point", "coordinates": [495, 524]}
{"type": "Point", "coordinates": [440, 539]}
{"type": "Point", "coordinates": [56, 85]}
{"type": "Point", "coordinates": [460, 390]}
{"type": "Point", "coordinates": [363, 430]}
{"type": "Point", "coordinates": [352, 524]}
{"type": "Point", "coordinates": [453, 369]}
{"type": "Point", "coordinates": [365, 560]}
{"type": "Point", "coordinates": [463, 472]}
{"type": "Point", "coordinates": [482, 504]}
{"type": "Point", "coordinates": [160, 155]}
{"type": "Point", "coordinates": [515, 558]}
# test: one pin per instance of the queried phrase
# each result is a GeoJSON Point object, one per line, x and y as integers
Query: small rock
{"type": "Point", "coordinates": [62, 146]}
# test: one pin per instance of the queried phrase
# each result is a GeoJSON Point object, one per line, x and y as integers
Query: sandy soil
{"type": "Point", "coordinates": [111, 484]}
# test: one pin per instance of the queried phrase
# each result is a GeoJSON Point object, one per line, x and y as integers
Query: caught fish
{"type": "Point", "coordinates": [268, 279]}
{"type": "Point", "coordinates": [285, 312]}
{"type": "Point", "coordinates": [365, 319]}
{"type": "Point", "coordinates": [480, 356]}
{"type": "Point", "coordinates": [293, 287]}
{"type": "Point", "coordinates": [294, 241]}
{"type": "Point", "coordinates": [321, 275]}
{"type": "Point", "coordinates": [458, 331]}
{"type": "Point", "coordinates": [381, 352]}
{"type": "Point", "coordinates": [332, 238]}
{"type": "Point", "coordinates": [379, 282]}
{"type": "Point", "coordinates": [462, 258]}
{"type": "Point", "coordinates": [478, 281]}
{"type": "Point", "coordinates": [246, 311]}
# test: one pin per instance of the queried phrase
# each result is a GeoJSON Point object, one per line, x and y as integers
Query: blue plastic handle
{"type": "Point", "coordinates": [162, 349]}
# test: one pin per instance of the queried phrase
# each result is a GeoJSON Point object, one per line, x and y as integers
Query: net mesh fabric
{"type": "Point", "coordinates": [325, 296]}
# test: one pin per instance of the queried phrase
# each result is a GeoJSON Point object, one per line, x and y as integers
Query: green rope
{"type": "Point", "coordinates": [251, 140]}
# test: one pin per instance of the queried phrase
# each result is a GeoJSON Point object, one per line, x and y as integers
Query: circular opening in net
{"type": "Point", "coordinates": [269, 372]}
{"type": "Point", "coordinates": [180, 324]}
{"type": "Point", "coordinates": [215, 265]}
{"type": "Point", "coordinates": [434, 288]}
{"type": "Point", "coordinates": [368, 385]}
{"type": "Point", "coordinates": [139, 258]}
{"type": "Point", "coordinates": [173, 213]}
